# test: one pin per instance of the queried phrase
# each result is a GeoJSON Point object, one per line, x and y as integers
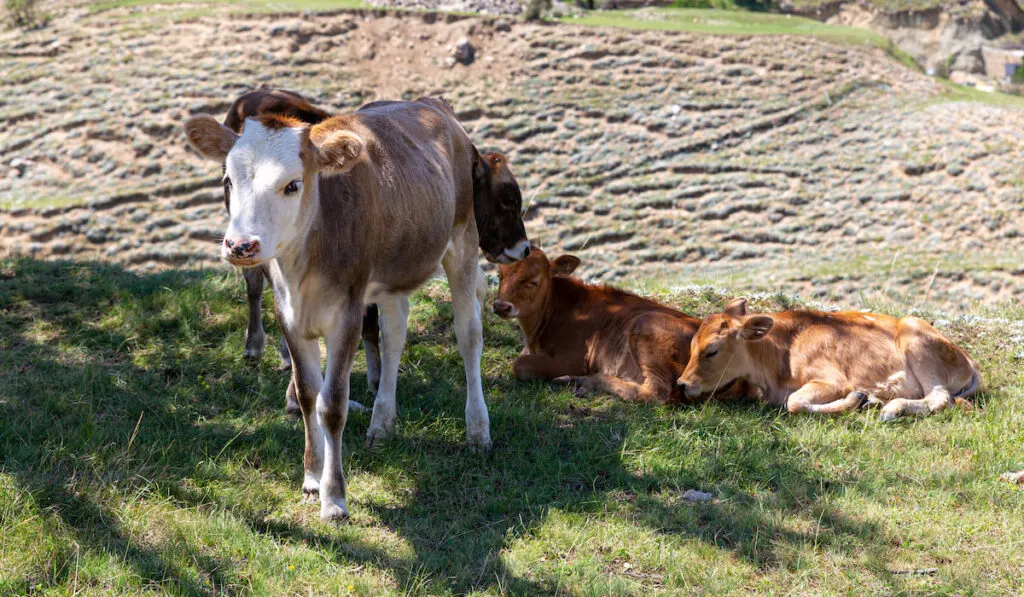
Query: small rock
{"type": "Point", "coordinates": [697, 497]}
{"type": "Point", "coordinates": [502, 25]}
{"type": "Point", "coordinates": [463, 52]}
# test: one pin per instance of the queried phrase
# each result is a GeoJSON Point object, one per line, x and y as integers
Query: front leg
{"type": "Point", "coordinates": [545, 367]}
{"type": "Point", "coordinates": [462, 269]}
{"type": "Point", "coordinates": [332, 406]}
{"type": "Point", "coordinates": [306, 384]}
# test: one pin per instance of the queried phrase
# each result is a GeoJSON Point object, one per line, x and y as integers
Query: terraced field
{"type": "Point", "coordinates": [779, 163]}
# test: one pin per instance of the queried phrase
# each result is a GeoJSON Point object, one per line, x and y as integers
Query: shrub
{"type": "Point", "coordinates": [535, 9]}
{"type": "Point", "coordinates": [23, 14]}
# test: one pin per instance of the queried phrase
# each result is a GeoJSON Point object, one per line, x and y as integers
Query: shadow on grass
{"type": "Point", "coordinates": [113, 380]}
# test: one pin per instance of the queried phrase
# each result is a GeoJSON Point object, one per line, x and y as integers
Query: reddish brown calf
{"type": "Point", "coordinates": [602, 337]}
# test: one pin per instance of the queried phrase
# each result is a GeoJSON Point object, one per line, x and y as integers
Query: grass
{"type": "Point", "coordinates": [138, 453]}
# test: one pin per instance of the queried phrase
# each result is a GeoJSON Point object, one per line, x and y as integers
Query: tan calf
{"type": "Point", "coordinates": [810, 361]}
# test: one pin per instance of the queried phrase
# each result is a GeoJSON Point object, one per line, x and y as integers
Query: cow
{"type": "Point", "coordinates": [357, 209]}
{"type": "Point", "coordinates": [496, 202]}
{"type": "Point", "coordinates": [599, 338]}
{"type": "Point", "coordinates": [817, 362]}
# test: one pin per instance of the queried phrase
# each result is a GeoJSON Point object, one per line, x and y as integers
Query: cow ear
{"type": "Point", "coordinates": [737, 307]}
{"type": "Point", "coordinates": [210, 138]}
{"type": "Point", "coordinates": [756, 327]}
{"type": "Point", "coordinates": [336, 151]}
{"type": "Point", "coordinates": [480, 169]}
{"type": "Point", "coordinates": [564, 266]}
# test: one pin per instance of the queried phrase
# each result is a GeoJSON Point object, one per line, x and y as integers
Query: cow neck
{"type": "Point", "coordinates": [772, 356]}
{"type": "Point", "coordinates": [563, 297]}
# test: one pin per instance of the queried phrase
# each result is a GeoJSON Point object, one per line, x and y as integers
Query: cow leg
{"type": "Point", "coordinates": [255, 338]}
{"type": "Point", "coordinates": [649, 391]}
{"type": "Point", "coordinates": [332, 407]}
{"type": "Point", "coordinates": [371, 346]}
{"type": "Point", "coordinates": [286, 357]}
{"type": "Point", "coordinates": [851, 401]}
{"type": "Point", "coordinates": [813, 393]}
{"type": "Point", "coordinates": [306, 383]}
{"type": "Point", "coordinates": [481, 292]}
{"type": "Point", "coordinates": [937, 399]}
{"type": "Point", "coordinates": [394, 315]}
{"type": "Point", "coordinates": [462, 271]}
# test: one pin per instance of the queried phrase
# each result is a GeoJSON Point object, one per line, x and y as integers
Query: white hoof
{"type": "Point", "coordinates": [479, 441]}
{"type": "Point", "coordinates": [310, 488]}
{"type": "Point", "coordinates": [333, 510]}
{"type": "Point", "coordinates": [378, 434]}
{"type": "Point", "coordinates": [889, 415]}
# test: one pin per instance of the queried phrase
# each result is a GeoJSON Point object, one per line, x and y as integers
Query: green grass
{"type": "Point", "coordinates": [138, 453]}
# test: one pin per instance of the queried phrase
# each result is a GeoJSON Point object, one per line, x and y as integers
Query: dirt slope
{"type": "Point", "coordinates": [778, 163]}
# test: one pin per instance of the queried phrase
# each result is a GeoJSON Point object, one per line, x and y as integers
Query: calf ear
{"type": "Point", "coordinates": [564, 266]}
{"type": "Point", "coordinates": [336, 151]}
{"type": "Point", "coordinates": [756, 327]}
{"type": "Point", "coordinates": [737, 307]}
{"type": "Point", "coordinates": [479, 169]}
{"type": "Point", "coordinates": [210, 138]}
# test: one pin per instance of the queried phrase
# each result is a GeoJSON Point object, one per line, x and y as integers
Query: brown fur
{"type": "Point", "coordinates": [614, 341]}
{"type": "Point", "coordinates": [831, 362]}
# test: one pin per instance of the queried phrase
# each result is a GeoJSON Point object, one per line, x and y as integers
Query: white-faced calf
{"type": "Point", "coordinates": [810, 361]}
{"type": "Point", "coordinates": [356, 209]}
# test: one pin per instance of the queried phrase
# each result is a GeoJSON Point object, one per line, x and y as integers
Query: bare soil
{"type": "Point", "coordinates": [777, 163]}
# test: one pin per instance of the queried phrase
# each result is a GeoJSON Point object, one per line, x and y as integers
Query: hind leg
{"type": "Point", "coordinates": [255, 338]}
{"type": "Point", "coordinates": [371, 346]}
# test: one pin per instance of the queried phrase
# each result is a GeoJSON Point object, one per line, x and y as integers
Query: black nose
{"type": "Point", "coordinates": [502, 308]}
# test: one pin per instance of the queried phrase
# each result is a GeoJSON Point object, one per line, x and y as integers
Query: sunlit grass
{"type": "Point", "coordinates": [138, 452]}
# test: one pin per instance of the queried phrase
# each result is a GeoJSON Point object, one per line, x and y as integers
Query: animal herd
{"type": "Point", "coordinates": [346, 215]}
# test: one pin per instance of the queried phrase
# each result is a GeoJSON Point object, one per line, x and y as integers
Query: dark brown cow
{"type": "Point", "coordinates": [602, 337]}
{"type": "Point", "coordinates": [354, 210]}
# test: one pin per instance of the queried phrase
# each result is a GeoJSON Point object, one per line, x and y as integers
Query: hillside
{"type": "Point", "coordinates": [784, 163]}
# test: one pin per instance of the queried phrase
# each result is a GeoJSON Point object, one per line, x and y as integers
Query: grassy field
{"type": "Point", "coordinates": [140, 454]}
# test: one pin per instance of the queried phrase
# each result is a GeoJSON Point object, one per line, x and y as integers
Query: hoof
{"type": "Point", "coordinates": [480, 442]}
{"type": "Point", "coordinates": [310, 489]}
{"type": "Point", "coordinates": [252, 354]}
{"type": "Point", "coordinates": [285, 366]}
{"type": "Point", "coordinates": [334, 511]}
{"type": "Point", "coordinates": [377, 435]}
{"type": "Point", "coordinates": [871, 402]}
{"type": "Point", "coordinates": [889, 415]}
{"type": "Point", "coordinates": [292, 402]}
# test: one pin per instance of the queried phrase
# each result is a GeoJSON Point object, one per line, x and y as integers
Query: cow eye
{"type": "Point", "coordinates": [710, 353]}
{"type": "Point", "coordinates": [532, 284]}
{"type": "Point", "coordinates": [292, 187]}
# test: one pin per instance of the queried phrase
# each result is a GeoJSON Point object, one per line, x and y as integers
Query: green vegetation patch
{"type": "Point", "coordinates": [138, 452]}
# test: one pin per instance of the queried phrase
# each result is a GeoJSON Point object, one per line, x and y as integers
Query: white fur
{"type": "Point", "coordinates": [394, 316]}
{"type": "Point", "coordinates": [260, 165]}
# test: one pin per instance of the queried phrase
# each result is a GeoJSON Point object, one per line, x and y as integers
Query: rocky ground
{"type": "Point", "coordinates": [776, 163]}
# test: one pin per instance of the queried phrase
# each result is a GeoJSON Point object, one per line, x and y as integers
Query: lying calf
{"type": "Point", "coordinates": [831, 362]}
{"type": "Point", "coordinates": [608, 339]}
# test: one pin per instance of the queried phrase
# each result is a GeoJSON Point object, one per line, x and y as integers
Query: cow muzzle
{"type": "Point", "coordinates": [511, 255]}
{"type": "Point", "coordinates": [504, 309]}
{"type": "Point", "coordinates": [242, 251]}
{"type": "Point", "coordinates": [691, 390]}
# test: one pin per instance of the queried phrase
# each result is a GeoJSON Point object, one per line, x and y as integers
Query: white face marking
{"type": "Point", "coordinates": [265, 171]}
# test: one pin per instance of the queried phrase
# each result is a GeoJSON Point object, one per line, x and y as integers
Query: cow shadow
{"type": "Point", "coordinates": [88, 403]}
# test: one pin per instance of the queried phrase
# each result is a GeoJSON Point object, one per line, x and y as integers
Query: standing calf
{"type": "Point", "coordinates": [356, 209]}
{"type": "Point", "coordinates": [818, 362]}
